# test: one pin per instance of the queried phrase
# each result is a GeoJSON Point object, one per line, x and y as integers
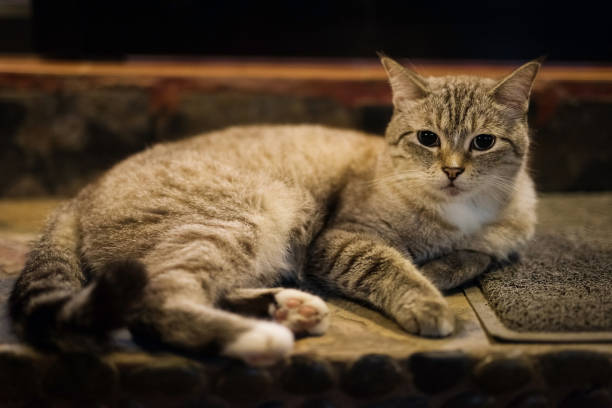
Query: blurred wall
{"type": "Point", "coordinates": [59, 132]}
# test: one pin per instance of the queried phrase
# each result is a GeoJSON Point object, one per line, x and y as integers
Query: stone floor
{"type": "Point", "coordinates": [364, 360]}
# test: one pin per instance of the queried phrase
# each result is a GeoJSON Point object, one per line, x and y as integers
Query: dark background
{"type": "Point", "coordinates": [513, 30]}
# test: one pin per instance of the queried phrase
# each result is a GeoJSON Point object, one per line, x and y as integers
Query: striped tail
{"type": "Point", "coordinates": [55, 305]}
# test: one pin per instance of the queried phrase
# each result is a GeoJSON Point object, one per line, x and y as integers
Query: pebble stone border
{"type": "Point", "coordinates": [567, 379]}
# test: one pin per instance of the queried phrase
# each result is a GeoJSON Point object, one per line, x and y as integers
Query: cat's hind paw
{"type": "Point", "coordinates": [301, 312]}
{"type": "Point", "coordinates": [263, 345]}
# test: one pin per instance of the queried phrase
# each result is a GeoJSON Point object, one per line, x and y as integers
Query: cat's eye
{"type": "Point", "coordinates": [483, 142]}
{"type": "Point", "coordinates": [428, 138]}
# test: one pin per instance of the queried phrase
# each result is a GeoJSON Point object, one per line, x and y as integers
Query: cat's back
{"type": "Point", "coordinates": [295, 154]}
{"type": "Point", "coordinates": [271, 147]}
{"type": "Point", "coordinates": [287, 172]}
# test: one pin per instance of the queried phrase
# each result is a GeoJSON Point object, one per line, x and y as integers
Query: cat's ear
{"type": "Point", "coordinates": [513, 91]}
{"type": "Point", "coordinates": [406, 84]}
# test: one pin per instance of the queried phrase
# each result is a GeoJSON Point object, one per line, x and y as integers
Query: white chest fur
{"type": "Point", "coordinates": [469, 215]}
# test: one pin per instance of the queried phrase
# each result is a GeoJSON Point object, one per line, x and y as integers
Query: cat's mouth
{"type": "Point", "coordinates": [452, 190]}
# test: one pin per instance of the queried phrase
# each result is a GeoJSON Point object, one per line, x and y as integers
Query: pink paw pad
{"type": "Point", "coordinates": [307, 311]}
{"type": "Point", "coordinates": [301, 312]}
{"type": "Point", "coordinates": [293, 303]}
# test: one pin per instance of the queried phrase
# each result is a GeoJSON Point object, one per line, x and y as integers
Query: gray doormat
{"type": "Point", "coordinates": [563, 283]}
{"type": "Point", "coordinates": [6, 334]}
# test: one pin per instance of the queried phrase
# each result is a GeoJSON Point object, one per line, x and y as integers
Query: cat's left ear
{"type": "Point", "coordinates": [513, 91]}
{"type": "Point", "coordinates": [406, 84]}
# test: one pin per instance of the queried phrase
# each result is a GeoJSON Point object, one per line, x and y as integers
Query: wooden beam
{"type": "Point", "coordinates": [336, 70]}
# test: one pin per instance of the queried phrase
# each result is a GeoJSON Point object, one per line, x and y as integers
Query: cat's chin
{"type": "Point", "coordinates": [447, 194]}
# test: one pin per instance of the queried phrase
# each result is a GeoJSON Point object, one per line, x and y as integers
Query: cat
{"type": "Point", "coordinates": [186, 242]}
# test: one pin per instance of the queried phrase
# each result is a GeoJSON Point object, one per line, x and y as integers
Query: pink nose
{"type": "Point", "coordinates": [453, 172]}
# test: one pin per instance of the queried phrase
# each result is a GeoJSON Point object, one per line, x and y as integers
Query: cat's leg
{"type": "Point", "coordinates": [362, 267]}
{"type": "Point", "coordinates": [301, 312]}
{"type": "Point", "coordinates": [455, 268]}
{"type": "Point", "coordinates": [178, 313]}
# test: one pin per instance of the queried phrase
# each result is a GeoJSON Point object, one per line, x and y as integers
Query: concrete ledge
{"type": "Point", "coordinates": [434, 378]}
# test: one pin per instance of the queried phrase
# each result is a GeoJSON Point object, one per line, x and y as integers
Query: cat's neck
{"type": "Point", "coordinates": [469, 214]}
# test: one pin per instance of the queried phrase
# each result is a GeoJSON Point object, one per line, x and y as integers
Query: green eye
{"type": "Point", "coordinates": [483, 142]}
{"type": "Point", "coordinates": [428, 138]}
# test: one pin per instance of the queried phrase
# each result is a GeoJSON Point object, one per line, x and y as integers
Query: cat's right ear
{"type": "Point", "coordinates": [406, 84]}
{"type": "Point", "coordinates": [513, 90]}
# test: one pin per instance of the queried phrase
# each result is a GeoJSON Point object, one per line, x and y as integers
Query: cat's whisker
{"type": "Point", "coordinates": [503, 190]}
{"type": "Point", "coordinates": [502, 183]}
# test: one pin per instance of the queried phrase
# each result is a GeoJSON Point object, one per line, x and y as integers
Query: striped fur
{"type": "Point", "coordinates": [165, 240]}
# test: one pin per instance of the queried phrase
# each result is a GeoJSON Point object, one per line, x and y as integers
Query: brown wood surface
{"type": "Point", "coordinates": [353, 70]}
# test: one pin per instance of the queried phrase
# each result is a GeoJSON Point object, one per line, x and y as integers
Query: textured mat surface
{"type": "Point", "coordinates": [564, 280]}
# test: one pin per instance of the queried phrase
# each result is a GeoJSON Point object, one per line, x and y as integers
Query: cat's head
{"type": "Point", "coordinates": [457, 136]}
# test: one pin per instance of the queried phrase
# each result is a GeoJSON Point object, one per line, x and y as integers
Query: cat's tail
{"type": "Point", "coordinates": [53, 304]}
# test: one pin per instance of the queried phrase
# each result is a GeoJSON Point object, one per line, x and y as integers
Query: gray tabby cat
{"type": "Point", "coordinates": [185, 243]}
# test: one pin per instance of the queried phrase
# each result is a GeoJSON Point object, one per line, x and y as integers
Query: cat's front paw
{"type": "Point", "coordinates": [429, 317]}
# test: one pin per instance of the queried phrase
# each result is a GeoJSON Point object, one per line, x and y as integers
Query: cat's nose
{"type": "Point", "coordinates": [453, 172]}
